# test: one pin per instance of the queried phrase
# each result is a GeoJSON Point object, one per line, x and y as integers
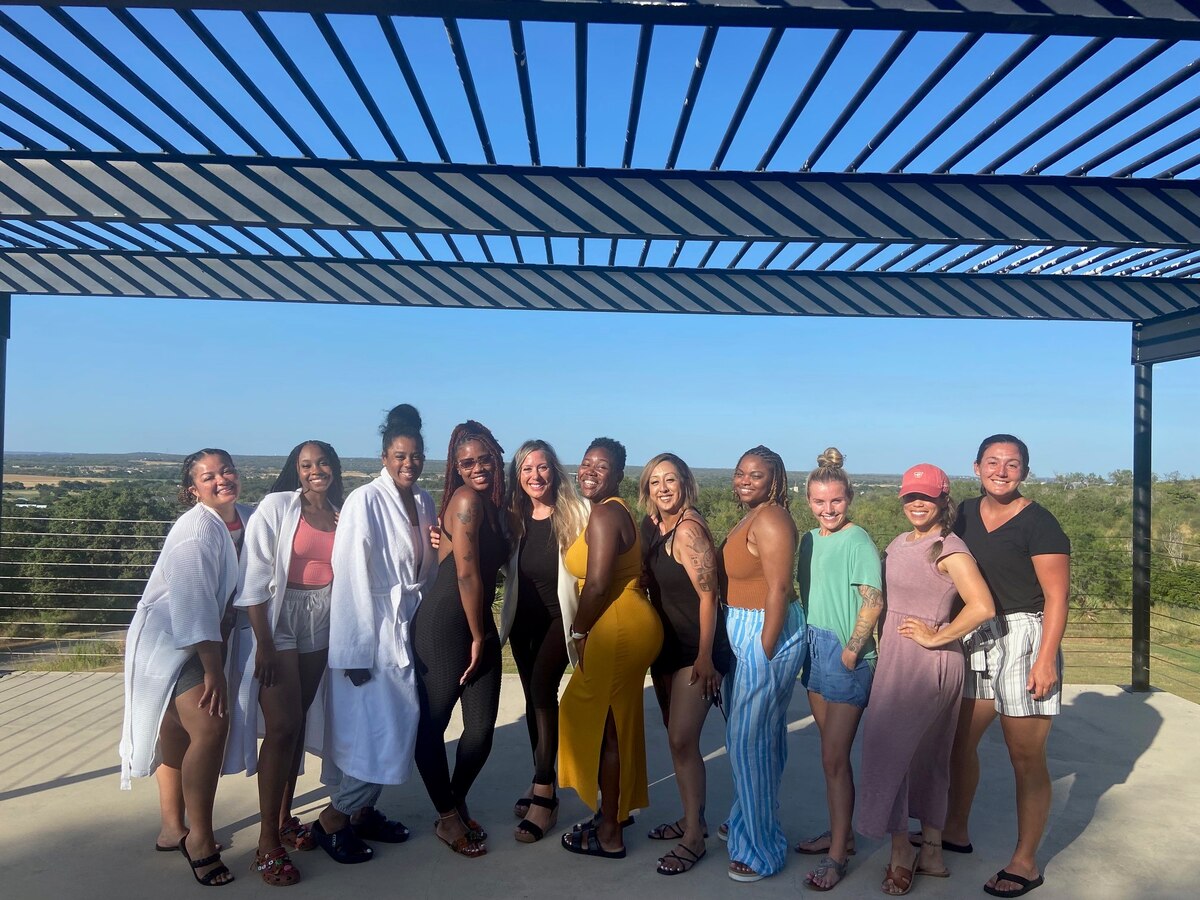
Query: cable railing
{"type": "Point", "coordinates": [67, 603]}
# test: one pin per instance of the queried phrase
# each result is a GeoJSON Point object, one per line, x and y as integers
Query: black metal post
{"type": "Point", "coordinates": [5, 331]}
{"type": "Point", "coordinates": [1143, 415]}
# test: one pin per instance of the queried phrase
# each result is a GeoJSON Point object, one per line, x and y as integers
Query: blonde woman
{"type": "Point", "coordinates": [841, 584]}
{"type": "Point", "coordinates": [545, 515]}
{"type": "Point", "coordinates": [680, 575]}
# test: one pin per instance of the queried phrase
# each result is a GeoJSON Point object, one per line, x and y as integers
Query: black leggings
{"type": "Point", "coordinates": [539, 648]}
{"type": "Point", "coordinates": [442, 647]}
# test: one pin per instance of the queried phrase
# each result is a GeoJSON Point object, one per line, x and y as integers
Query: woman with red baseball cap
{"type": "Point", "coordinates": [917, 691]}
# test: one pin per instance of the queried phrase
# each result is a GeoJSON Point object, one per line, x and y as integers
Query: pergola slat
{"type": "Point", "coordinates": [134, 273]}
{"type": "Point", "coordinates": [602, 203]}
{"type": "Point", "coordinates": [1077, 17]}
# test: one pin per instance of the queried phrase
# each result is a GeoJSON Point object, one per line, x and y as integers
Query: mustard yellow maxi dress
{"type": "Point", "coordinates": [619, 650]}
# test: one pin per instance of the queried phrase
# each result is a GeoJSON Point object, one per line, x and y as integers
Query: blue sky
{"type": "Point", "coordinates": [168, 375]}
{"type": "Point", "coordinates": [125, 375]}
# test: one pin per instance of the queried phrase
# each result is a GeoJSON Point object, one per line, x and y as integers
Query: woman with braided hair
{"type": "Point", "coordinates": [455, 641]}
{"type": "Point", "coordinates": [841, 584]}
{"type": "Point", "coordinates": [766, 633]}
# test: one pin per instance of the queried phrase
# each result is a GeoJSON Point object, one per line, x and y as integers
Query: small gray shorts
{"type": "Point", "coordinates": [303, 623]}
{"type": "Point", "coordinates": [1000, 655]}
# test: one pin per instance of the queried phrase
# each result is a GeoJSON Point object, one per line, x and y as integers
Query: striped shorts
{"type": "Point", "coordinates": [1000, 656]}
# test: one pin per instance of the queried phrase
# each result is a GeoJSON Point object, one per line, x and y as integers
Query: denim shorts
{"type": "Point", "coordinates": [824, 673]}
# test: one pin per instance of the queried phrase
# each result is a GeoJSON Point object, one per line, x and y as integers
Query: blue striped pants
{"type": "Point", "coordinates": [760, 690]}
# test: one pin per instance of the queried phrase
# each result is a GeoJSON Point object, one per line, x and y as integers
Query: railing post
{"type": "Point", "coordinates": [1142, 432]}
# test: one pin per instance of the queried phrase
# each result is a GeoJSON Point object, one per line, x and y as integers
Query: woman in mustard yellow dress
{"type": "Point", "coordinates": [617, 634]}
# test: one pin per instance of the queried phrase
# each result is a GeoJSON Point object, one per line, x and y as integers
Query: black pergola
{"type": "Point", "coordinates": [203, 150]}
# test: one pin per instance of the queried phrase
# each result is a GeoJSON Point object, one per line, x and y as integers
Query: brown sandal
{"type": "Point", "coordinates": [297, 836]}
{"type": "Point", "coordinates": [276, 868]}
{"type": "Point", "coordinates": [465, 844]}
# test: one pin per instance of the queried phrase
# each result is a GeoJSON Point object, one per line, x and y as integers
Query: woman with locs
{"type": "Point", "coordinates": [545, 516]}
{"type": "Point", "coordinates": [766, 635]}
{"type": "Point", "coordinates": [383, 563]}
{"type": "Point", "coordinates": [176, 694]}
{"type": "Point", "coordinates": [617, 635]}
{"type": "Point", "coordinates": [286, 594]}
{"type": "Point", "coordinates": [681, 579]}
{"type": "Point", "coordinates": [917, 690]}
{"type": "Point", "coordinates": [455, 641]}
{"type": "Point", "coordinates": [841, 584]}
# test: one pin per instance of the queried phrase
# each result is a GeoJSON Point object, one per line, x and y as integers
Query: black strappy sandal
{"type": "Point", "coordinates": [529, 833]}
{"type": "Point", "coordinates": [685, 864]}
{"type": "Point", "coordinates": [209, 878]}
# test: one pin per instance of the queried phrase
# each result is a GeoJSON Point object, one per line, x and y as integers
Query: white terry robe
{"type": "Point", "coordinates": [379, 576]}
{"type": "Point", "coordinates": [185, 598]}
{"type": "Point", "coordinates": [268, 554]}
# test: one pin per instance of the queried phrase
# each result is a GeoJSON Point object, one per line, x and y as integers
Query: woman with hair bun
{"type": "Point", "coordinates": [617, 635]}
{"type": "Point", "coordinates": [288, 584]}
{"type": "Point", "coordinates": [176, 694]}
{"type": "Point", "coordinates": [766, 634]}
{"type": "Point", "coordinates": [545, 515]}
{"type": "Point", "coordinates": [455, 641]}
{"type": "Point", "coordinates": [383, 562]}
{"type": "Point", "coordinates": [841, 585]}
{"type": "Point", "coordinates": [681, 579]}
{"type": "Point", "coordinates": [917, 690]}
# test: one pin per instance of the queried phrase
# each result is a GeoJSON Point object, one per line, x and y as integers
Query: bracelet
{"type": "Point", "coordinates": [577, 635]}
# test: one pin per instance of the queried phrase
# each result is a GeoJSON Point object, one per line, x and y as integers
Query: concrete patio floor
{"type": "Point", "coordinates": [1124, 822]}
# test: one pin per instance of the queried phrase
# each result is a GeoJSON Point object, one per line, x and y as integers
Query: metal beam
{"type": "Point", "coordinates": [592, 288]}
{"type": "Point", "coordinates": [1111, 18]}
{"type": "Point", "coordinates": [1167, 338]}
{"type": "Point", "coordinates": [600, 203]}
{"type": "Point", "coordinates": [1143, 420]}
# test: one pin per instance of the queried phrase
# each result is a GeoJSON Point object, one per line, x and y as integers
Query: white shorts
{"type": "Point", "coordinates": [303, 623]}
{"type": "Point", "coordinates": [1000, 655]}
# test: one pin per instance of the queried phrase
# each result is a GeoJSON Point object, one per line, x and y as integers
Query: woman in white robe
{"type": "Point", "coordinates": [176, 696]}
{"type": "Point", "coordinates": [286, 595]}
{"type": "Point", "coordinates": [382, 563]}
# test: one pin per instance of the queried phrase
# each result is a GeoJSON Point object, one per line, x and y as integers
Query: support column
{"type": "Point", "coordinates": [5, 331]}
{"type": "Point", "coordinates": [1142, 479]}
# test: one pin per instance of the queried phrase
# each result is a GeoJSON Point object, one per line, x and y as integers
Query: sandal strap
{"type": "Point", "coordinates": [207, 861]}
{"type": "Point", "coordinates": [530, 828]}
{"type": "Point", "coordinates": [208, 878]}
{"type": "Point", "coordinates": [543, 802]}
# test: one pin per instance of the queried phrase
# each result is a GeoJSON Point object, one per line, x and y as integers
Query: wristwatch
{"type": "Point", "coordinates": [577, 635]}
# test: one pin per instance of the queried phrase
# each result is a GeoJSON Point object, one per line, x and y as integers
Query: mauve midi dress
{"type": "Point", "coordinates": [915, 698]}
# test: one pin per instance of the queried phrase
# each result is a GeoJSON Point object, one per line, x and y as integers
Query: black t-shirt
{"type": "Point", "coordinates": [1005, 555]}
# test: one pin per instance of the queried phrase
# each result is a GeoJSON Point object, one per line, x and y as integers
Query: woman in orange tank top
{"type": "Point", "coordinates": [766, 634]}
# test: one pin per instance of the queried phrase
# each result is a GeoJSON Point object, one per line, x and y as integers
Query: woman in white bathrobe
{"type": "Point", "coordinates": [382, 563]}
{"type": "Point", "coordinates": [286, 595]}
{"type": "Point", "coordinates": [175, 686]}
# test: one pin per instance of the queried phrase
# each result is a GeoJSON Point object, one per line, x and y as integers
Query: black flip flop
{"type": "Point", "coordinates": [1026, 884]}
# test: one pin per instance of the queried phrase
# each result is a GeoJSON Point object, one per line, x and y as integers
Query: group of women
{"type": "Point", "coordinates": [353, 626]}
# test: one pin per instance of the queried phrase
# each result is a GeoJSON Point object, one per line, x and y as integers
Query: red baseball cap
{"type": "Point", "coordinates": [925, 479]}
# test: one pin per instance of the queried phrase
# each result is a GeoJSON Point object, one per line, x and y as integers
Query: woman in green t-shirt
{"type": "Point", "coordinates": [841, 589]}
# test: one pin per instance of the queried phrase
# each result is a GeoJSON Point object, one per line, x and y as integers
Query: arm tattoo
{"type": "Point", "coordinates": [465, 516]}
{"type": "Point", "coordinates": [872, 600]}
{"type": "Point", "coordinates": [704, 562]}
{"type": "Point", "coordinates": [872, 597]}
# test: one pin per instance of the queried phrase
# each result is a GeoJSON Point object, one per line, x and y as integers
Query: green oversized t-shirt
{"type": "Point", "coordinates": [829, 572]}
